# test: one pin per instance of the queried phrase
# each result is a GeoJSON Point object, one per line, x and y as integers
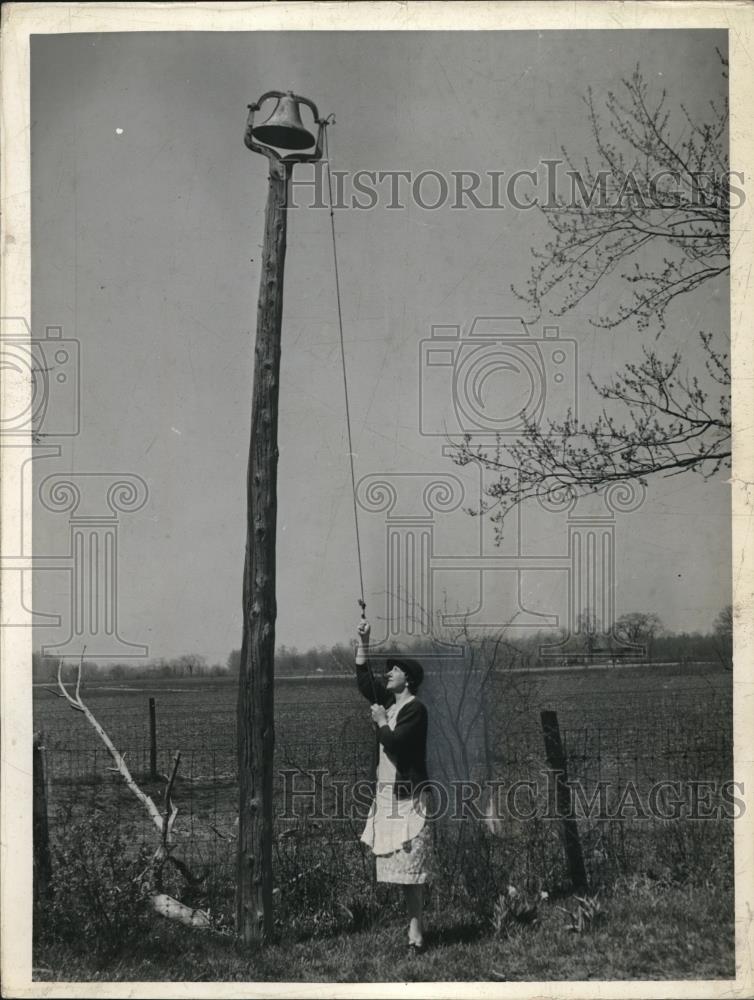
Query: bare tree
{"type": "Point", "coordinates": [647, 226]}
{"type": "Point", "coordinates": [462, 692]}
{"type": "Point", "coordinates": [638, 628]}
{"type": "Point", "coordinates": [587, 629]}
{"type": "Point", "coordinates": [472, 699]}
{"type": "Point", "coordinates": [724, 635]}
{"type": "Point", "coordinates": [190, 662]}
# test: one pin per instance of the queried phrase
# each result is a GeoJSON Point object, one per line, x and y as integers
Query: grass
{"type": "Point", "coordinates": [665, 906]}
{"type": "Point", "coordinates": [645, 930]}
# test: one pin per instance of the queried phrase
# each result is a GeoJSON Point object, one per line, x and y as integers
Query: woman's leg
{"type": "Point", "coordinates": [415, 905]}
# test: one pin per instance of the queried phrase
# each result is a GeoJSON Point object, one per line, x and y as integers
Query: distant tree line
{"type": "Point", "coordinates": [638, 636]}
{"type": "Point", "coordinates": [44, 668]}
{"type": "Point", "coordinates": [290, 662]}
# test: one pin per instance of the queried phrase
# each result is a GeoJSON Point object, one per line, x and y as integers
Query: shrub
{"type": "Point", "coordinates": [98, 899]}
{"type": "Point", "coordinates": [324, 885]}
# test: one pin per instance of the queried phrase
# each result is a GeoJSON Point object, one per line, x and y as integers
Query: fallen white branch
{"type": "Point", "coordinates": [168, 907]}
{"type": "Point", "coordinates": [76, 702]}
{"type": "Point", "coordinates": [163, 904]}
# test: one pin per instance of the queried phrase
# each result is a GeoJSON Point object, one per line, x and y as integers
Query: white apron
{"type": "Point", "coordinates": [392, 822]}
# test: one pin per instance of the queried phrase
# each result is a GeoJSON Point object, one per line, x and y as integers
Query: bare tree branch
{"type": "Point", "coordinates": [163, 904]}
{"type": "Point", "coordinates": [653, 190]}
{"type": "Point", "coordinates": [652, 218]}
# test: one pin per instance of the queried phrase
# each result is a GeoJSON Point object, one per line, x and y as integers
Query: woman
{"type": "Point", "coordinates": [396, 828]}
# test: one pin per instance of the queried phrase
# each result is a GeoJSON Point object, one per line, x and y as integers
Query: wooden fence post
{"type": "Point", "coordinates": [40, 826]}
{"type": "Point", "coordinates": [557, 762]}
{"type": "Point", "coordinates": [152, 740]}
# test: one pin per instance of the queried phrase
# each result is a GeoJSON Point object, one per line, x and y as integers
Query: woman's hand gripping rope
{"type": "Point", "coordinates": [363, 630]}
{"type": "Point", "coordinates": [379, 715]}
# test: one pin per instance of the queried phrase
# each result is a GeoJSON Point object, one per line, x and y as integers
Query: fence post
{"type": "Point", "coordinates": [152, 740]}
{"type": "Point", "coordinates": [40, 826]}
{"type": "Point", "coordinates": [557, 763]}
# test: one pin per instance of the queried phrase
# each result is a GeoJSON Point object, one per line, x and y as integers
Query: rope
{"type": "Point", "coordinates": [362, 603]}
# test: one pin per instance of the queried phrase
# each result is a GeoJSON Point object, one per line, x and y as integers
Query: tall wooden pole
{"type": "Point", "coordinates": [256, 728]}
{"type": "Point", "coordinates": [256, 702]}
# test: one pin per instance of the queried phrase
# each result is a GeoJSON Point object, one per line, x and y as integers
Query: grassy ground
{"type": "Point", "coordinates": [645, 931]}
{"type": "Point", "coordinates": [666, 905]}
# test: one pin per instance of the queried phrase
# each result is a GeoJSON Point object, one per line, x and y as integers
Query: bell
{"type": "Point", "coordinates": [284, 128]}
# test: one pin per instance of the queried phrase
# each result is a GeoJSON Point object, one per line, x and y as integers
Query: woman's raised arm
{"type": "Point", "coordinates": [371, 687]}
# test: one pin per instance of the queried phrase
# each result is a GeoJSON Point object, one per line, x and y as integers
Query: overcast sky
{"type": "Point", "coordinates": [147, 219]}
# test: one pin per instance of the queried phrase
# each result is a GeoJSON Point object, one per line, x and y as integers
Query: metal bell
{"type": "Point", "coordinates": [284, 128]}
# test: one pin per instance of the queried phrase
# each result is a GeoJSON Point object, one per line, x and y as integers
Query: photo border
{"type": "Point", "coordinates": [20, 21]}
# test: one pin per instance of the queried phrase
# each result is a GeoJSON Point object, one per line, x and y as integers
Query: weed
{"type": "Point", "coordinates": [586, 916]}
{"type": "Point", "coordinates": [513, 910]}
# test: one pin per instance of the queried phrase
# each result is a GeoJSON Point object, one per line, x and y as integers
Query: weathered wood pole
{"type": "Point", "coordinates": [557, 762]}
{"type": "Point", "coordinates": [41, 832]}
{"type": "Point", "coordinates": [256, 728]}
{"type": "Point", "coordinates": [256, 731]}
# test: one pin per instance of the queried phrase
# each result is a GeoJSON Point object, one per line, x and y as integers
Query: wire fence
{"type": "Point", "coordinates": [638, 789]}
{"type": "Point", "coordinates": [648, 759]}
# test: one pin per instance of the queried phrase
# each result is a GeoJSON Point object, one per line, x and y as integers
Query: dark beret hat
{"type": "Point", "coordinates": [411, 668]}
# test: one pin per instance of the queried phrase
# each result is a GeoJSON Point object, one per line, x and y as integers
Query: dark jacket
{"type": "Point", "coordinates": [406, 745]}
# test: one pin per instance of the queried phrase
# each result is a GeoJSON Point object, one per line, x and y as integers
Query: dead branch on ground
{"type": "Point", "coordinates": [164, 822]}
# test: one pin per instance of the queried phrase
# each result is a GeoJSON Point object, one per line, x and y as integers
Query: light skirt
{"type": "Point", "coordinates": [410, 865]}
